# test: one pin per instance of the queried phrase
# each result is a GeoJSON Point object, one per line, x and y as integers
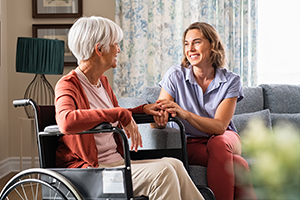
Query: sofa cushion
{"type": "Point", "coordinates": [241, 120]}
{"type": "Point", "coordinates": [281, 98]}
{"type": "Point", "coordinates": [198, 174]}
{"type": "Point", "coordinates": [253, 100]}
{"type": "Point", "coordinates": [159, 138]}
{"type": "Point", "coordinates": [293, 119]}
{"type": "Point", "coordinates": [151, 94]}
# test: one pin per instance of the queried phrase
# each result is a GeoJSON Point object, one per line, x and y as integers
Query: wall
{"type": "Point", "coordinates": [12, 85]}
{"type": "Point", "coordinates": [4, 150]}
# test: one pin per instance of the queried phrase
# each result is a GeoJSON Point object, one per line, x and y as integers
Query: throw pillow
{"type": "Point", "coordinates": [241, 120]}
{"type": "Point", "coordinates": [253, 100]}
{"type": "Point", "coordinates": [281, 98]}
{"type": "Point", "coordinates": [151, 94]}
{"type": "Point", "coordinates": [293, 119]}
{"type": "Point", "coordinates": [129, 102]}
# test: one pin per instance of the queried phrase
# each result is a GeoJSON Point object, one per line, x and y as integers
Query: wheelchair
{"type": "Point", "coordinates": [51, 183]}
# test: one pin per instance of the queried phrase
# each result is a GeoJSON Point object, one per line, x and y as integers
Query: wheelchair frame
{"type": "Point", "coordinates": [59, 175]}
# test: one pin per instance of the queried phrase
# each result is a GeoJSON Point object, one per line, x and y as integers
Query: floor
{"type": "Point", "coordinates": [4, 180]}
{"type": "Point", "coordinates": [21, 192]}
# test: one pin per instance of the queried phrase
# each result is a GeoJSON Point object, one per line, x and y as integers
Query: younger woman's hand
{"type": "Point", "coordinates": [173, 108]}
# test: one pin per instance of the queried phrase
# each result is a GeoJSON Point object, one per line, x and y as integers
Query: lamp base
{"type": "Point", "coordinates": [41, 91]}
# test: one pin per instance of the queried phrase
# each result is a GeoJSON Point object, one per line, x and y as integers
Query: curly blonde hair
{"type": "Point", "coordinates": [218, 56]}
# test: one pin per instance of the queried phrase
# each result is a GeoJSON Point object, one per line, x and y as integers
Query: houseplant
{"type": "Point", "coordinates": [276, 154]}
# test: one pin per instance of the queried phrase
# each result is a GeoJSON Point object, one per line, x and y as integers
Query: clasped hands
{"type": "Point", "coordinates": [160, 111]}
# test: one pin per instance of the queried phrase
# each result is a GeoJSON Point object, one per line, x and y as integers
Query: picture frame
{"type": "Point", "coordinates": [56, 31]}
{"type": "Point", "coordinates": [56, 8]}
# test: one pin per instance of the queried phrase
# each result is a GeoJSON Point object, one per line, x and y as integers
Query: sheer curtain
{"type": "Point", "coordinates": [153, 38]}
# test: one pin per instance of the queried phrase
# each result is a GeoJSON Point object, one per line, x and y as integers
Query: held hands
{"type": "Point", "coordinates": [161, 110]}
{"type": "Point", "coordinates": [133, 132]}
{"type": "Point", "coordinates": [172, 108]}
{"type": "Point", "coordinates": [160, 116]}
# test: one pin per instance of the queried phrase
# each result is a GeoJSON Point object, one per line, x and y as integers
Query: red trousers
{"type": "Point", "coordinates": [221, 154]}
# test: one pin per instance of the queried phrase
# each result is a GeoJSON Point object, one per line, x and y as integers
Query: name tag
{"type": "Point", "coordinates": [113, 182]}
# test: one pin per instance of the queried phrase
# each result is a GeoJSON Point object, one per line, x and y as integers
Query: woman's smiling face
{"type": "Point", "coordinates": [197, 48]}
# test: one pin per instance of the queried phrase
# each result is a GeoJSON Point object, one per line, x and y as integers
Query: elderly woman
{"type": "Point", "coordinates": [204, 95]}
{"type": "Point", "coordinates": [83, 99]}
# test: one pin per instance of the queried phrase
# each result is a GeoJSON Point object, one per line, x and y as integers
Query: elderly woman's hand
{"type": "Point", "coordinates": [160, 116]}
{"type": "Point", "coordinates": [152, 109]}
{"type": "Point", "coordinates": [161, 120]}
{"type": "Point", "coordinates": [133, 132]}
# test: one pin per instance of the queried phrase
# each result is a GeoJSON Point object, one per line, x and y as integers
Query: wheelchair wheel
{"type": "Point", "coordinates": [38, 184]}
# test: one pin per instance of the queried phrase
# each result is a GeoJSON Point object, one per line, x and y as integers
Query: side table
{"type": "Point", "coordinates": [32, 139]}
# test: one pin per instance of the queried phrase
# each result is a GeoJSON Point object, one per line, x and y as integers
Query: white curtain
{"type": "Point", "coordinates": [153, 38]}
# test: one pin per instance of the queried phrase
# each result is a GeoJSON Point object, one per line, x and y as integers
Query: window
{"type": "Point", "coordinates": [278, 41]}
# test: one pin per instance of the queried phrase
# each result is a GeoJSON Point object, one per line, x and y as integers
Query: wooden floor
{"type": "Point", "coordinates": [6, 178]}
{"type": "Point", "coordinates": [26, 190]}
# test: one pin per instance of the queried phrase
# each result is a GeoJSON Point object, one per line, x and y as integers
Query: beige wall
{"type": "Point", "coordinates": [16, 22]}
{"type": "Point", "coordinates": [4, 134]}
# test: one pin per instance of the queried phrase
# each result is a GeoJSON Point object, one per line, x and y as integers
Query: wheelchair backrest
{"type": "Point", "coordinates": [46, 116]}
{"type": "Point", "coordinates": [47, 143]}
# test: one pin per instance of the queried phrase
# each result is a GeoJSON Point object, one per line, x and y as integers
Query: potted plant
{"type": "Point", "coordinates": [276, 153]}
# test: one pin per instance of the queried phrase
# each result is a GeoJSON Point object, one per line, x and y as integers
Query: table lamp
{"type": "Point", "coordinates": [39, 56]}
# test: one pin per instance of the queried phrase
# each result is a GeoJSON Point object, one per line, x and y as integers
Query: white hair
{"type": "Point", "coordinates": [86, 32]}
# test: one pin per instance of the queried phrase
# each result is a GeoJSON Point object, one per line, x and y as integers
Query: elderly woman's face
{"type": "Point", "coordinates": [111, 55]}
{"type": "Point", "coordinates": [197, 48]}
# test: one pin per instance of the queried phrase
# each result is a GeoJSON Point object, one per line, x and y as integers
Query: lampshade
{"type": "Point", "coordinates": [39, 56]}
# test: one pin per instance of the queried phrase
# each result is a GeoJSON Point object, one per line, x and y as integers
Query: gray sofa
{"type": "Point", "coordinates": [270, 102]}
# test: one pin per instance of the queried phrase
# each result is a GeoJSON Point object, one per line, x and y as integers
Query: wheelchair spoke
{"type": "Point", "coordinates": [32, 192]}
{"type": "Point", "coordinates": [19, 194]}
{"type": "Point", "coordinates": [37, 186]}
{"type": "Point", "coordinates": [36, 192]}
{"type": "Point", "coordinates": [34, 196]}
{"type": "Point", "coordinates": [67, 195]}
{"type": "Point", "coordinates": [24, 192]}
{"type": "Point", "coordinates": [58, 187]}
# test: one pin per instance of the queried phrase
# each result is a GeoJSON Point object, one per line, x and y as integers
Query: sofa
{"type": "Point", "coordinates": [272, 103]}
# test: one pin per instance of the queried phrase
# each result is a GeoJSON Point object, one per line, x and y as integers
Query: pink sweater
{"type": "Point", "coordinates": [73, 115]}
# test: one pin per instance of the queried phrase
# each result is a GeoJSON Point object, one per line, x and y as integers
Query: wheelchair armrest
{"type": "Point", "coordinates": [51, 130]}
{"type": "Point", "coordinates": [143, 118]}
{"type": "Point", "coordinates": [101, 128]}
